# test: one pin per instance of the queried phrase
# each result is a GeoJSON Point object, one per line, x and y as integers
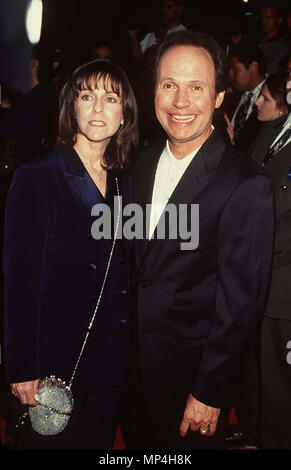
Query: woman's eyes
{"type": "Point", "coordinates": [111, 99]}
{"type": "Point", "coordinates": [86, 97]}
{"type": "Point", "coordinates": [108, 98]}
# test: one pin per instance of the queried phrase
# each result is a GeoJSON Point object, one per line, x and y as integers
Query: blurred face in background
{"type": "Point", "coordinates": [267, 106]}
{"type": "Point", "coordinates": [270, 21]}
{"type": "Point", "coordinates": [240, 75]}
{"type": "Point", "coordinates": [171, 13]}
{"type": "Point", "coordinates": [101, 52]}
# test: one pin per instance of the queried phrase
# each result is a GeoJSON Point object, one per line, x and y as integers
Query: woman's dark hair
{"type": "Point", "coordinates": [197, 39]}
{"type": "Point", "coordinates": [276, 83]}
{"type": "Point", "coordinates": [121, 148]}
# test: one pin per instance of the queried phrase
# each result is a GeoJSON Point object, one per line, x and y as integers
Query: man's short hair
{"type": "Point", "coordinates": [275, 4]}
{"type": "Point", "coordinates": [247, 52]}
{"type": "Point", "coordinates": [197, 39]}
{"type": "Point", "coordinates": [179, 3]}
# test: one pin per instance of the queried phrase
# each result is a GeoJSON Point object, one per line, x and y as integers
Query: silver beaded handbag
{"type": "Point", "coordinates": [54, 396]}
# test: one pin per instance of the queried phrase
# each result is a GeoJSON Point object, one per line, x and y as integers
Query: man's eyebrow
{"type": "Point", "coordinates": [196, 80]}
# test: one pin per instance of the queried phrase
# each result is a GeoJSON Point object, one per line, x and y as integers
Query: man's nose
{"type": "Point", "coordinates": [181, 99]}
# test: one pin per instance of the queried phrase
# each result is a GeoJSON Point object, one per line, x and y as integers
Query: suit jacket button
{"type": "Point", "coordinates": [284, 187]}
{"type": "Point", "coordinates": [123, 321]}
{"type": "Point", "coordinates": [92, 267]}
{"type": "Point", "coordinates": [123, 292]}
{"type": "Point", "coordinates": [143, 284]}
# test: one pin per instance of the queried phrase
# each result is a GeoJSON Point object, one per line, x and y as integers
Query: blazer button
{"type": "Point", "coordinates": [143, 284]}
{"type": "Point", "coordinates": [284, 187]}
{"type": "Point", "coordinates": [123, 292]}
{"type": "Point", "coordinates": [123, 321]}
{"type": "Point", "coordinates": [92, 267]}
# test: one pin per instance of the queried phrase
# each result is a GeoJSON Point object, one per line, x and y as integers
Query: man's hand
{"type": "Point", "coordinates": [198, 416]}
{"type": "Point", "coordinates": [25, 391]}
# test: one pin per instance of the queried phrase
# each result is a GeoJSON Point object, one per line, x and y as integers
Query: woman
{"type": "Point", "coordinates": [54, 268]}
{"type": "Point", "coordinates": [271, 103]}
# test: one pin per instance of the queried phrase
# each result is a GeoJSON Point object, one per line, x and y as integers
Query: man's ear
{"type": "Point", "coordinates": [254, 66]}
{"type": "Point", "coordinates": [219, 99]}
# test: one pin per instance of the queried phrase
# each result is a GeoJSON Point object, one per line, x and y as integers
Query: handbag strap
{"type": "Point", "coordinates": [102, 287]}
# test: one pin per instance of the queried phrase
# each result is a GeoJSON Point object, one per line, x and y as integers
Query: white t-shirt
{"type": "Point", "coordinates": [150, 38]}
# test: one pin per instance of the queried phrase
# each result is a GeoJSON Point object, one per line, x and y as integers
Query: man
{"type": "Point", "coordinates": [33, 120]}
{"type": "Point", "coordinates": [248, 77]}
{"type": "Point", "coordinates": [263, 402]}
{"type": "Point", "coordinates": [172, 12]}
{"type": "Point", "coordinates": [271, 43]}
{"type": "Point", "coordinates": [195, 308]}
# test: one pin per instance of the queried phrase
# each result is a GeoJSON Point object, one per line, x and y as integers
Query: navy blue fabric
{"type": "Point", "coordinates": [53, 272]}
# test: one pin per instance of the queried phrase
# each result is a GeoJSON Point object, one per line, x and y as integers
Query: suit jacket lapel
{"type": "Point", "coordinates": [260, 149]}
{"type": "Point", "coordinates": [84, 187]}
{"type": "Point", "coordinates": [80, 181]}
{"type": "Point", "coordinates": [192, 183]}
{"type": "Point", "coordinates": [143, 189]}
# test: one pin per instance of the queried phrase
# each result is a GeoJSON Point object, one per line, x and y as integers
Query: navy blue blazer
{"type": "Point", "coordinates": [53, 272]}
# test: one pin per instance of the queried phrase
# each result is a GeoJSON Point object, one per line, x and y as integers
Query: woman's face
{"type": "Point", "coordinates": [267, 107]}
{"type": "Point", "coordinates": [98, 113]}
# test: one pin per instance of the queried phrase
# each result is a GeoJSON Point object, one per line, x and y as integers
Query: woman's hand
{"type": "Point", "coordinates": [229, 128]}
{"type": "Point", "coordinates": [25, 391]}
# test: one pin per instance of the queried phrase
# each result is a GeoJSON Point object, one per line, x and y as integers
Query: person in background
{"type": "Point", "coordinates": [172, 12]}
{"type": "Point", "coordinates": [263, 404]}
{"type": "Point", "coordinates": [247, 74]}
{"type": "Point", "coordinates": [271, 104]}
{"type": "Point", "coordinates": [271, 43]}
{"type": "Point", "coordinates": [27, 120]}
{"type": "Point", "coordinates": [54, 268]}
{"type": "Point", "coordinates": [101, 51]}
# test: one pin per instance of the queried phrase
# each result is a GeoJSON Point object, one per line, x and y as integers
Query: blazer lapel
{"type": "Point", "coordinates": [192, 183]}
{"type": "Point", "coordinates": [259, 150]}
{"type": "Point", "coordinates": [85, 189]}
{"type": "Point", "coordinates": [80, 181]}
{"type": "Point", "coordinates": [143, 189]}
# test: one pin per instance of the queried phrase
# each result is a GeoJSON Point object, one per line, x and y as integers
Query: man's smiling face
{"type": "Point", "coordinates": [185, 96]}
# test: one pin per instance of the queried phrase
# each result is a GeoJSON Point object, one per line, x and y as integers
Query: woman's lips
{"type": "Point", "coordinates": [97, 123]}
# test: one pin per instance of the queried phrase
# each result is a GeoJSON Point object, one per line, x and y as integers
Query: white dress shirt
{"type": "Point", "coordinates": [168, 174]}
